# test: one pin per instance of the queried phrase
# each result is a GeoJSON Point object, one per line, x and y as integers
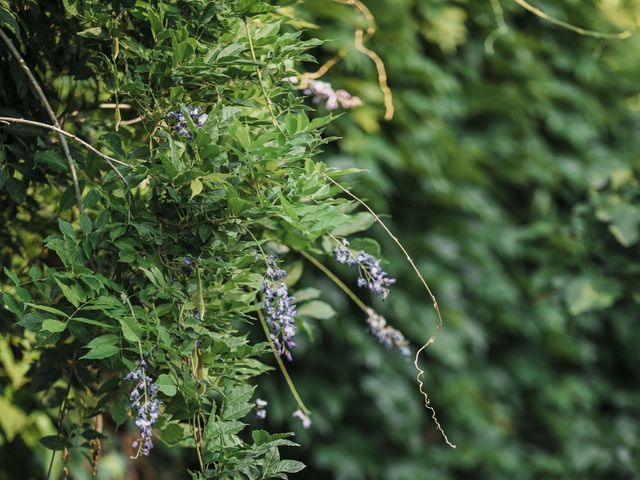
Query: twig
{"type": "Point", "coordinates": [267, 99]}
{"type": "Point", "coordinates": [360, 38]}
{"type": "Point", "coordinates": [61, 412]}
{"type": "Point", "coordinates": [432, 338]}
{"type": "Point", "coordinates": [582, 31]}
{"type": "Point", "coordinates": [110, 160]}
{"type": "Point", "coordinates": [382, 73]}
{"type": "Point", "coordinates": [63, 141]}
{"type": "Point", "coordinates": [324, 68]}
{"type": "Point", "coordinates": [121, 106]}
{"type": "Point", "coordinates": [334, 278]}
{"type": "Point", "coordinates": [501, 29]}
{"type": "Point", "coordinates": [280, 363]}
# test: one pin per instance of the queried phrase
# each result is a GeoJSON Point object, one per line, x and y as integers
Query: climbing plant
{"type": "Point", "coordinates": [161, 196]}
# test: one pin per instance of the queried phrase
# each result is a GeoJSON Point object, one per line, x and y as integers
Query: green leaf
{"type": "Point", "coordinates": [11, 304]}
{"type": "Point", "coordinates": [102, 347]}
{"type": "Point", "coordinates": [68, 293]}
{"type": "Point", "coordinates": [12, 276]}
{"type": "Point", "coordinates": [316, 309]}
{"type": "Point", "coordinates": [306, 294]}
{"type": "Point", "coordinates": [67, 229]}
{"type": "Point", "coordinates": [289, 466]}
{"type": "Point", "coordinates": [166, 385]}
{"type": "Point", "coordinates": [119, 411]}
{"type": "Point", "coordinates": [288, 209]}
{"type": "Point", "coordinates": [85, 223]}
{"type": "Point", "coordinates": [236, 403]}
{"type": "Point", "coordinates": [196, 187]}
{"type": "Point", "coordinates": [131, 329]}
{"type": "Point", "coordinates": [52, 159]}
{"type": "Point", "coordinates": [359, 222]}
{"type": "Point", "coordinates": [591, 293]}
{"type": "Point", "coordinates": [16, 189]}
{"type": "Point", "coordinates": [53, 442]}
{"type": "Point", "coordinates": [174, 433]}
{"type": "Point", "coordinates": [46, 308]}
{"type": "Point", "coordinates": [54, 325]}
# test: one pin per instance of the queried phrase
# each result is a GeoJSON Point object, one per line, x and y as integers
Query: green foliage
{"type": "Point", "coordinates": [513, 178]}
{"type": "Point", "coordinates": [165, 260]}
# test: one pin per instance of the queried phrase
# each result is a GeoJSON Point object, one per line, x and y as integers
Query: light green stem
{"type": "Point", "coordinates": [200, 294]}
{"type": "Point", "coordinates": [267, 99]}
{"type": "Point", "coordinates": [432, 338]}
{"type": "Point", "coordinates": [332, 276]}
{"type": "Point", "coordinates": [283, 369]}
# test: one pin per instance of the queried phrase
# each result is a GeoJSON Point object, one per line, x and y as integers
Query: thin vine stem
{"type": "Point", "coordinates": [282, 366]}
{"type": "Point", "coordinates": [61, 413]}
{"type": "Point", "coordinates": [195, 431]}
{"type": "Point", "coordinates": [200, 294]}
{"type": "Point", "coordinates": [361, 36]}
{"type": "Point", "coordinates": [432, 338]}
{"type": "Point", "coordinates": [263, 88]}
{"type": "Point", "coordinates": [45, 103]}
{"type": "Point", "coordinates": [582, 31]}
{"type": "Point", "coordinates": [334, 278]}
{"type": "Point", "coordinates": [502, 28]}
{"type": "Point", "coordinates": [265, 329]}
{"type": "Point", "coordinates": [110, 160]}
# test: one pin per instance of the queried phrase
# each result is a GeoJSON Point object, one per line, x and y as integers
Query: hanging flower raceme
{"type": "Point", "coordinates": [182, 127]}
{"type": "Point", "coordinates": [386, 334]}
{"type": "Point", "coordinates": [371, 275]}
{"type": "Point", "coordinates": [146, 406]}
{"type": "Point", "coordinates": [320, 92]}
{"type": "Point", "coordinates": [279, 309]}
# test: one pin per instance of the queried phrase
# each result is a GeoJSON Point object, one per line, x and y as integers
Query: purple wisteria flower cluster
{"type": "Point", "coordinates": [370, 274]}
{"type": "Point", "coordinates": [181, 125]}
{"type": "Point", "coordinates": [320, 92]}
{"type": "Point", "coordinates": [386, 334]}
{"type": "Point", "coordinates": [146, 405]}
{"type": "Point", "coordinates": [279, 309]}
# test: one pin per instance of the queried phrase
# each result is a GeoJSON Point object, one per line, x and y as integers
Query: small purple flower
{"type": "Point", "coordinates": [306, 421]}
{"type": "Point", "coordinates": [144, 402]}
{"type": "Point", "coordinates": [386, 334]}
{"type": "Point", "coordinates": [181, 125]}
{"type": "Point", "coordinates": [279, 309]}
{"type": "Point", "coordinates": [261, 408]}
{"type": "Point", "coordinates": [370, 273]}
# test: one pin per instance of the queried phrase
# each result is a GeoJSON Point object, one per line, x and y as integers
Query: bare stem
{"type": "Point", "coordinates": [36, 86]}
{"type": "Point", "coordinates": [200, 294]}
{"type": "Point", "coordinates": [334, 278]}
{"type": "Point", "coordinates": [582, 31]}
{"type": "Point", "coordinates": [110, 160]}
{"type": "Point", "coordinates": [61, 413]}
{"type": "Point", "coordinates": [361, 36]}
{"type": "Point", "coordinates": [432, 338]}
{"type": "Point", "coordinates": [197, 437]}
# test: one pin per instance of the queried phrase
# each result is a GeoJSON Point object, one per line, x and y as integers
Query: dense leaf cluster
{"type": "Point", "coordinates": [146, 298]}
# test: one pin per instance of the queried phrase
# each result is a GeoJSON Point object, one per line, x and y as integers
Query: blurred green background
{"type": "Point", "coordinates": [510, 171]}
